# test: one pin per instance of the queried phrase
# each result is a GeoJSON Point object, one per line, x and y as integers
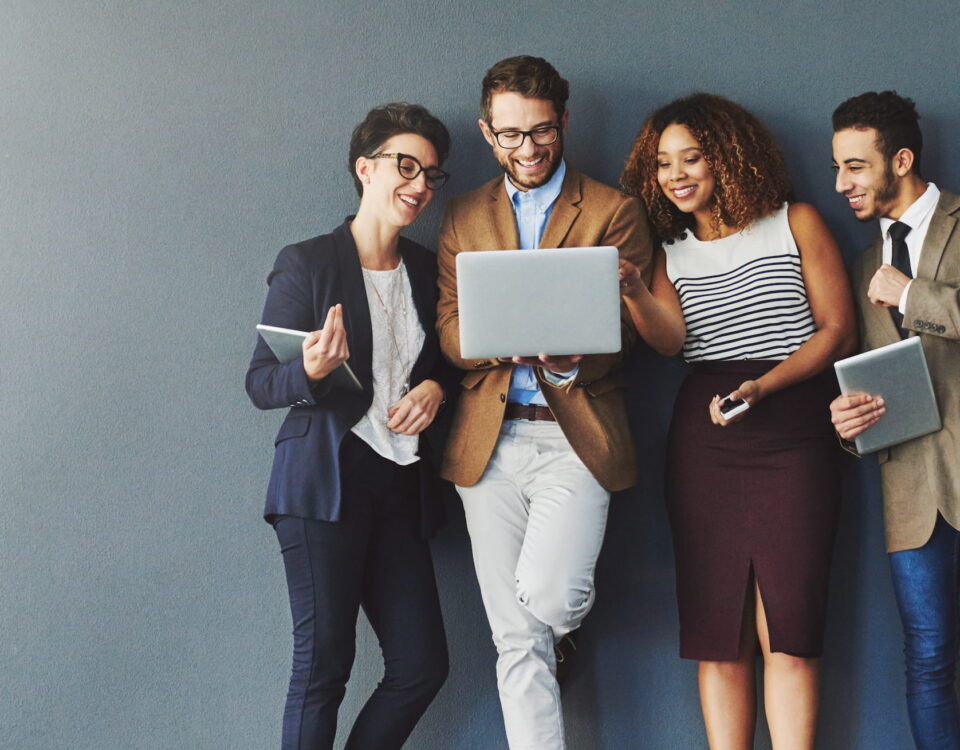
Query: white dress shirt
{"type": "Point", "coordinates": [917, 217]}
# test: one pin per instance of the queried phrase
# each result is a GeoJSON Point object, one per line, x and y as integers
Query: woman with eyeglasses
{"type": "Point", "coordinates": [353, 494]}
{"type": "Point", "coordinates": [752, 287]}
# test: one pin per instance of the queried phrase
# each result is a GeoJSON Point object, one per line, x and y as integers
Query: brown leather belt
{"type": "Point", "coordinates": [529, 411]}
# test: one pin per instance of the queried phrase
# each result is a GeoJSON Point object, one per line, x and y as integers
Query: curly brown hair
{"type": "Point", "coordinates": [750, 175]}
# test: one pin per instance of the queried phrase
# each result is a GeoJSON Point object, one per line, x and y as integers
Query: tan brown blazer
{"type": "Point", "coordinates": [590, 409]}
{"type": "Point", "coordinates": [922, 476]}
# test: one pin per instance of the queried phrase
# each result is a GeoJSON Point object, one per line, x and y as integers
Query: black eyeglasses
{"type": "Point", "coordinates": [409, 168]}
{"type": "Point", "coordinates": [514, 138]}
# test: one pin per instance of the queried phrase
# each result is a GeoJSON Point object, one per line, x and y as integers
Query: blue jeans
{"type": "Point", "coordinates": [926, 582]}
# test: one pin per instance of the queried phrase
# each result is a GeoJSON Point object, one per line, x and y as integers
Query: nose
{"type": "Point", "coordinates": [527, 146]}
{"type": "Point", "coordinates": [841, 184]}
{"type": "Point", "coordinates": [419, 182]}
{"type": "Point", "coordinates": [676, 171]}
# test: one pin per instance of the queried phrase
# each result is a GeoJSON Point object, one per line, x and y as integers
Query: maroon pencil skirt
{"type": "Point", "coordinates": [759, 499]}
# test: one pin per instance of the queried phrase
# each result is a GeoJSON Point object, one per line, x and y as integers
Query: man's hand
{"type": "Point", "coordinates": [854, 413]}
{"type": "Point", "coordinates": [325, 350]}
{"type": "Point", "coordinates": [886, 286]}
{"type": "Point", "coordinates": [558, 364]}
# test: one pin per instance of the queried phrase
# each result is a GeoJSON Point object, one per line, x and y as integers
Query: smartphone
{"type": "Point", "coordinates": [729, 408]}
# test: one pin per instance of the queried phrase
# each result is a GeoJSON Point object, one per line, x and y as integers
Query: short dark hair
{"type": "Point", "coordinates": [894, 117]}
{"type": "Point", "coordinates": [382, 123]}
{"type": "Point", "coordinates": [532, 77]}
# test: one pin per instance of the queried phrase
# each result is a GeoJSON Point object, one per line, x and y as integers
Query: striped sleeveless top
{"type": "Point", "coordinates": [742, 296]}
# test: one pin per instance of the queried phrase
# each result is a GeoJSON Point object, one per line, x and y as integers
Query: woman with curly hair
{"type": "Point", "coordinates": [752, 287]}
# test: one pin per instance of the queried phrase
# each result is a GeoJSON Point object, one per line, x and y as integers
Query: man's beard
{"type": "Point", "coordinates": [885, 194]}
{"type": "Point", "coordinates": [508, 165]}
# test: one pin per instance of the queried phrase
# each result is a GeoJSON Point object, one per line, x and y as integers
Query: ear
{"type": "Point", "coordinates": [564, 120]}
{"type": "Point", "coordinates": [362, 169]}
{"type": "Point", "coordinates": [487, 134]}
{"type": "Point", "coordinates": [902, 162]}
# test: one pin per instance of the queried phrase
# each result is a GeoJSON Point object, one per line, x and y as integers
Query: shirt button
{"type": "Point", "coordinates": [503, 396]}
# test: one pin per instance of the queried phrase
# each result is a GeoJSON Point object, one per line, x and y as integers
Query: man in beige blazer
{"type": "Point", "coordinates": [537, 444]}
{"type": "Point", "coordinates": [908, 284]}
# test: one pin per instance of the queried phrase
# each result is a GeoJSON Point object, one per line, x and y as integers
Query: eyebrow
{"type": "Point", "coordinates": [544, 124]}
{"type": "Point", "coordinates": [853, 160]}
{"type": "Point", "coordinates": [683, 150]}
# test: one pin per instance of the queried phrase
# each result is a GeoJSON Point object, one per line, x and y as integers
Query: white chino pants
{"type": "Point", "coordinates": [536, 520]}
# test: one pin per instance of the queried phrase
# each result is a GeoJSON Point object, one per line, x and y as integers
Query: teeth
{"type": "Point", "coordinates": [684, 192]}
{"type": "Point", "coordinates": [529, 163]}
{"type": "Point", "coordinates": [410, 201]}
{"type": "Point", "coordinates": [856, 201]}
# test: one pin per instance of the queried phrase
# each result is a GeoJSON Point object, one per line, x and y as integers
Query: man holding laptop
{"type": "Point", "coordinates": [537, 443]}
{"type": "Point", "coordinates": [911, 275]}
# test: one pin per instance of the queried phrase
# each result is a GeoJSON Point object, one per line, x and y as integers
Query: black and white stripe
{"type": "Point", "coordinates": [758, 310]}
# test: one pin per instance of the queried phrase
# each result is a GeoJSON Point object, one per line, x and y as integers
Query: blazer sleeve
{"type": "Point", "coordinates": [448, 311]}
{"type": "Point", "coordinates": [933, 308]}
{"type": "Point", "coordinates": [629, 231]}
{"type": "Point", "coordinates": [270, 383]}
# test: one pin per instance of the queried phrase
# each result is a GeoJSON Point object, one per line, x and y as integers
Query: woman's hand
{"type": "Point", "coordinates": [414, 413]}
{"type": "Point", "coordinates": [749, 391]}
{"type": "Point", "coordinates": [631, 283]}
{"type": "Point", "coordinates": [325, 350]}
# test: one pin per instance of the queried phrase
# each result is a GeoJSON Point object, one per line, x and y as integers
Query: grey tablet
{"type": "Point", "coordinates": [287, 344]}
{"type": "Point", "coordinates": [527, 302]}
{"type": "Point", "coordinates": [897, 372]}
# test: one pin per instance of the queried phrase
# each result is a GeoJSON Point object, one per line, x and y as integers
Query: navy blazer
{"type": "Point", "coordinates": [308, 278]}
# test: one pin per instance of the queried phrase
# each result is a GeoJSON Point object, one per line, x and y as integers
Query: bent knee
{"type": "Point", "coordinates": [558, 606]}
{"type": "Point", "coordinates": [421, 677]}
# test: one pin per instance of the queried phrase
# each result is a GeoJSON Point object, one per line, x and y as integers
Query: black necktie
{"type": "Point", "coordinates": [899, 259]}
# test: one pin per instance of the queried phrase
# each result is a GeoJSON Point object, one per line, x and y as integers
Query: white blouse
{"type": "Point", "coordinates": [397, 340]}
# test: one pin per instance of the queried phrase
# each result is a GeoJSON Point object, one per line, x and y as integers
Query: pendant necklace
{"type": "Point", "coordinates": [395, 286]}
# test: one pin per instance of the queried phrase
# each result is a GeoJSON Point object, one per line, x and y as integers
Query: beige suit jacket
{"type": "Point", "coordinates": [589, 409]}
{"type": "Point", "coordinates": [922, 476]}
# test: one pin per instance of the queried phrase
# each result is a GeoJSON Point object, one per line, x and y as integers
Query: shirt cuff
{"type": "Point", "coordinates": [902, 305]}
{"type": "Point", "coordinates": [559, 379]}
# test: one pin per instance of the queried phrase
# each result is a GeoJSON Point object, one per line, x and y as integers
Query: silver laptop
{"type": "Point", "coordinates": [524, 302]}
{"type": "Point", "coordinates": [897, 372]}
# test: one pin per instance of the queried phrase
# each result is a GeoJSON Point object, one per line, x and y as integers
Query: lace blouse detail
{"type": "Point", "coordinates": [397, 340]}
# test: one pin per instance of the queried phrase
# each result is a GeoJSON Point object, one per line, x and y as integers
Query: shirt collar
{"type": "Point", "coordinates": [917, 212]}
{"type": "Point", "coordinates": [542, 196]}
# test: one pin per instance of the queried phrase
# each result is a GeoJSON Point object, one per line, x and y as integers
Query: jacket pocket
{"type": "Point", "coordinates": [471, 379]}
{"type": "Point", "coordinates": [293, 427]}
{"type": "Point", "coordinates": [604, 384]}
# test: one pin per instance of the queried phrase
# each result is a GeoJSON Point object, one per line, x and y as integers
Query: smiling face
{"type": "Point", "coordinates": [397, 200]}
{"type": "Point", "coordinates": [528, 165]}
{"type": "Point", "coordinates": [864, 177]}
{"type": "Point", "coordinates": [683, 173]}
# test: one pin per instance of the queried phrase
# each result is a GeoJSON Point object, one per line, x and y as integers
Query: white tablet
{"type": "Point", "coordinates": [528, 302]}
{"type": "Point", "coordinates": [287, 344]}
{"type": "Point", "coordinates": [897, 372]}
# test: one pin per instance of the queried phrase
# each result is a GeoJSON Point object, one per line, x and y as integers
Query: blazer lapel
{"type": "Point", "coordinates": [356, 312]}
{"type": "Point", "coordinates": [502, 221]}
{"type": "Point", "coordinates": [942, 225]}
{"type": "Point", "coordinates": [565, 211]}
{"type": "Point", "coordinates": [876, 319]}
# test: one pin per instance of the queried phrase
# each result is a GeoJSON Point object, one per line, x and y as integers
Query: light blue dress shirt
{"type": "Point", "coordinates": [532, 209]}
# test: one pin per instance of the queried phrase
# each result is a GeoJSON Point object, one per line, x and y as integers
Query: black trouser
{"type": "Point", "coordinates": [372, 557]}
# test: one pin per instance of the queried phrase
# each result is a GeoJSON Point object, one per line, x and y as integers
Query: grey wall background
{"type": "Point", "coordinates": [154, 157]}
